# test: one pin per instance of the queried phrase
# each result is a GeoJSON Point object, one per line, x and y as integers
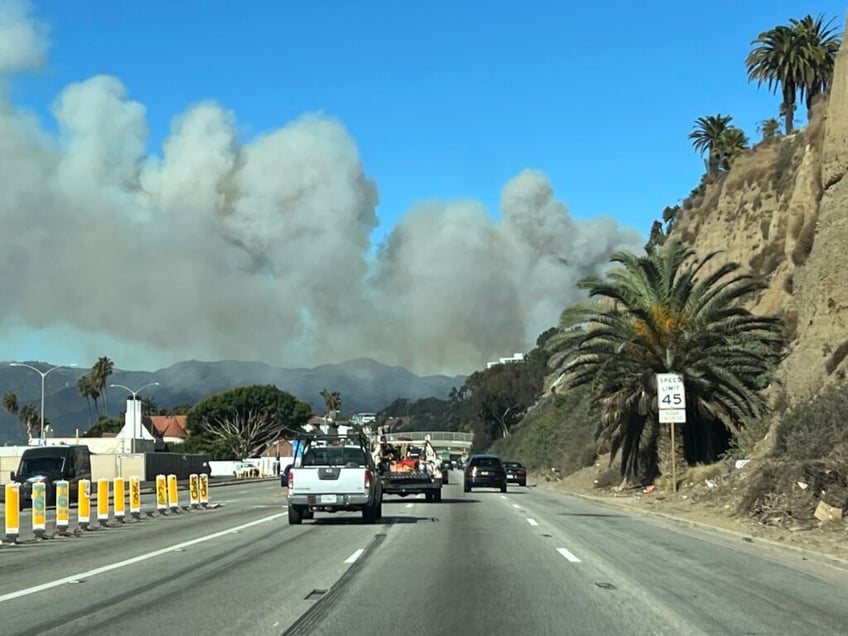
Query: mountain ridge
{"type": "Point", "coordinates": [364, 383]}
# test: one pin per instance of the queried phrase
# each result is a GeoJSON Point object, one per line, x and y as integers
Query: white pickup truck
{"type": "Point", "coordinates": [333, 473]}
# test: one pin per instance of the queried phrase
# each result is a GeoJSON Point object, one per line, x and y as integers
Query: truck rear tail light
{"type": "Point", "coordinates": [367, 479]}
{"type": "Point", "coordinates": [291, 478]}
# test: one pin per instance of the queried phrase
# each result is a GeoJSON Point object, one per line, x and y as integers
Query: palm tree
{"type": "Point", "coordinates": [84, 387]}
{"type": "Point", "coordinates": [100, 373]}
{"type": "Point", "coordinates": [332, 400]}
{"type": "Point", "coordinates": [706, 136]}
{"type": "Point", "coordinates": [730, 143]}
{"type": "Point", "coordinates": [10, 402]}
{"type": "Point", "coordinates": [29, 416]}
{"type": "Point", "coordinates": [667, 312]}
{"type": "Point", "coordinates": [820, 43]}
{"type": "Point", "coordinates": [798, 57]}
{"type": "Point", "coordinates": [770, 128]}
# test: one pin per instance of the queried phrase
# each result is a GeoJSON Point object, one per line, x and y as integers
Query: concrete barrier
{"type": "Point", "coordinates": [84, 504]}
{"type": "Point", "coordinates": [13, 511]}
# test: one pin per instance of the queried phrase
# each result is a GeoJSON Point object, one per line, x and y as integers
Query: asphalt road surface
{"type": "Point", "coordinates": [527, 562]}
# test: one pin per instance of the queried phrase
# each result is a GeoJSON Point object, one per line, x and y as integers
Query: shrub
{"type": "Point", "coordinates": [814, 428]}
{"type": "Point", "coordinates": [588, 455]}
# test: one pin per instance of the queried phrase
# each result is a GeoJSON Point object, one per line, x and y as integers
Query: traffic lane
{"type": "Point", "coordinates": [254, 580]}
{"type": "Point", "coordinates": [715, 583]}
{"type": "Point", "coordinates": [471, 565]}
{"type": "Point", "coordinates": [32, 563]}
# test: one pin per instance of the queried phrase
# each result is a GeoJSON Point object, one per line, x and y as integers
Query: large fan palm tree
{"type": "Point", "coordinates": [667, 312]}
{"type": "Point", "coordinates": [795, 58]}
{"type": "Point", "coordinates": [100, 373]}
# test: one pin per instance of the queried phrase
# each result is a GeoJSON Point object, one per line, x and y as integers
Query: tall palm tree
{"type": "Point", "coordinates": [100, 372]}
{"type": "Point", "coordinates": [10, 402]}
{"type": "Point", "coordinates": [29, 416]}
{"type": "Point", "coordinates": [86, 389]}
{"type": "Point", "coordinates": [794, 58]}
{"type": "Point", "coordinates": [706, 137]}
{"type": "Point", "coordinates": [821, 43]}
{"type": "Point", "coordinates": [667, 312]}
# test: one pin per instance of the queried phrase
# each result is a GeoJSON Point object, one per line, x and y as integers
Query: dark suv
{"type": "Point", "coordinates": [484, 471]}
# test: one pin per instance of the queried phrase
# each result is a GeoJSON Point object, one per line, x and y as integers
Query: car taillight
{"type": "Point", "coordinates": [291, 478]}
{"type": "Point", "coordinates": [367, 479]}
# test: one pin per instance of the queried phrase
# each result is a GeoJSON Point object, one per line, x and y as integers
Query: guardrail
{"type": "Point", "coordinates": [111, 503]}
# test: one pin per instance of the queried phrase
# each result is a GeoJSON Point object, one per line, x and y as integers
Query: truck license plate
{"type": "Point", "coordinates": [329, 499]}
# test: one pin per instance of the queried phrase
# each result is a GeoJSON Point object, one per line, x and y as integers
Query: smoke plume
{"type": "Point", "coordinates": [225, 250]}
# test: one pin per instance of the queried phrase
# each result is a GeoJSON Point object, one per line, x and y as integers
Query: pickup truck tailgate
{"type": "Point", "coordinates": [329, 479]}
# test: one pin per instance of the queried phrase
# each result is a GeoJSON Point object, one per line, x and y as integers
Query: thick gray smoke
{"type": "Point", "coordinates": [259, 250]}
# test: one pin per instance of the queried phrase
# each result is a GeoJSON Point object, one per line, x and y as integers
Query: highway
{"type": "Point", "coordinates": [528, 562]}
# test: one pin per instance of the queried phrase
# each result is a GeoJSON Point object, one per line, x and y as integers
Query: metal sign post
{"type": "Point", "coordinates": [671, 399]}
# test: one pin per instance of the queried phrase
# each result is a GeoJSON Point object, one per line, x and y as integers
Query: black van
{"type": "Point", "coordinates": [51, 464]}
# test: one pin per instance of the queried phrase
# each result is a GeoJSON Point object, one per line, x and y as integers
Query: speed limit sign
{"type": "Point", "coordinates": [671, 397]}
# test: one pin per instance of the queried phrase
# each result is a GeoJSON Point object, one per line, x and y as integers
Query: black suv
{"type": "Point", "coordinates": [484, 471]}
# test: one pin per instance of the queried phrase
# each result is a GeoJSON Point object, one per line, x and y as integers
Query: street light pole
{"type": "Point", "coordinates": [43, 375]}
{"type": "Point", "coordinates": [134, 394]}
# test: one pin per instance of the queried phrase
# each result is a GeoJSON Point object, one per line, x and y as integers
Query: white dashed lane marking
{"type": "Point", "coordinates": [568, 555]}
{"type": "Point", "coordinates": [353, 557]}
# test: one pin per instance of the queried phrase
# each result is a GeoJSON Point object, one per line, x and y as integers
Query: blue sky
{"type": "Point", "coordinates": [446, 100]}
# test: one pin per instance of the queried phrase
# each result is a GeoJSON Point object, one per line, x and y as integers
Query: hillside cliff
{"type": "Point", "coordinates": [782, 211]}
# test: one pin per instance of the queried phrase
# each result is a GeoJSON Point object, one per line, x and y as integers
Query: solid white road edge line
{"type": "Point", "coordinates": [568, 555]}
{"type": "Point", "coordinates": [137, 559]}
{"type": "Point", "coordinates": [532, 522]}
{"type": "Point", "coordinates": [353, 557]}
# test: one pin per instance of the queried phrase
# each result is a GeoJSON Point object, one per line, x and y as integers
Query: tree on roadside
{"type": "Point", "coordinates": [243, 422]}
{"type": "Point", "coordinates": [797, 58]}
{"type": "Point", "coordinates": [669, 312]}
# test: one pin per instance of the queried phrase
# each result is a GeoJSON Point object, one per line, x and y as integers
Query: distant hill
{"type": "Point", "coordinates": [365, 385]}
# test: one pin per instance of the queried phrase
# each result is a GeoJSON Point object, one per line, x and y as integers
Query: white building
{"type": "Point", "coordinates": [516, 357]}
